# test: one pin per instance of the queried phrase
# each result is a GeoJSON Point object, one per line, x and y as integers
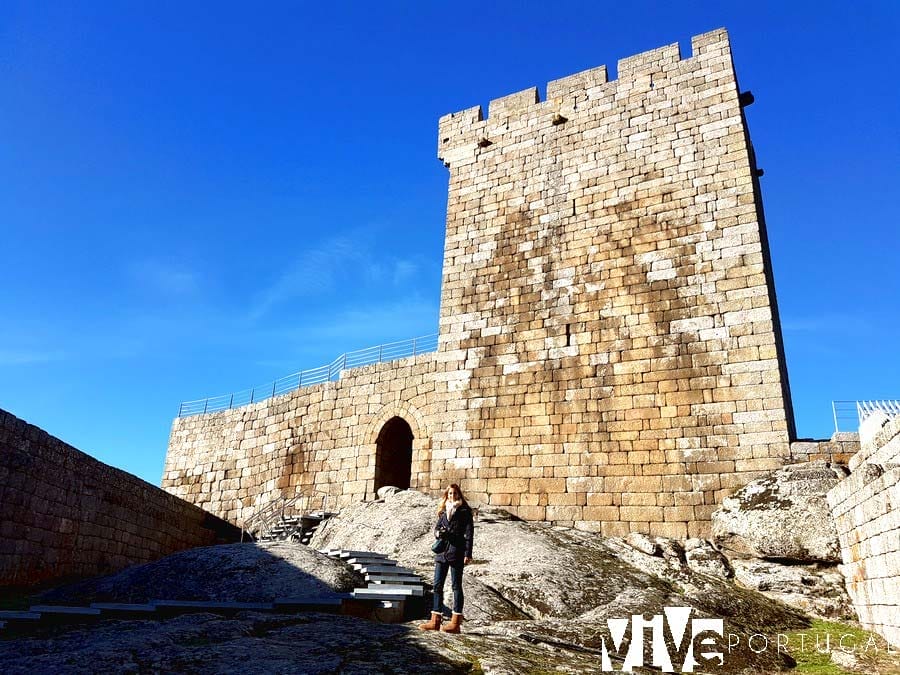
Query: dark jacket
{"type": "Point", "coordinates": [459, 531]}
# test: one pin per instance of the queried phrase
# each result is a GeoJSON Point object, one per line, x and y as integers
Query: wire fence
{"type": "Point", "coordinates": [390, 351]}
{"type": "Point", "coordinates": [848, 415]}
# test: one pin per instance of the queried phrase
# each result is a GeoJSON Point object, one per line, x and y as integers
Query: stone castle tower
{"type": "Point", "coordinates": [609, 355]}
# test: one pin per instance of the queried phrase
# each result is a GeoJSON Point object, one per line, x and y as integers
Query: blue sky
{"type": "Point", "coordinates": [197, 197]}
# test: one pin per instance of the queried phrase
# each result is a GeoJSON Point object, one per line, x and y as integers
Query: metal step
{"type": "Point", "coordinates": [378, 569]}
{"type": "Point", "coordinates": [367, 594]}
{"type": "Point", "coordinates": [399, 579]}
{"type": "Point", "coordinates": [387, 597]}
{"type": "Point", "coordinates": [356, 554]}
{"type": "Point", "coordinates": [397, 588]}
{"type": "Point", "coordinates": [121, 609]}
{"type": "Point", "coordinates": [369, 560]}
{"type": "Point", "coordinates": [186, 606]}
{"type": "Point", "coordinates": [10, 615]}
{"type": "Point", "coordinates": [328, 604]}
{"type": "Point", "coordinates": [55, 611]}
{"type": "Point", "coordinates": [359, 566]}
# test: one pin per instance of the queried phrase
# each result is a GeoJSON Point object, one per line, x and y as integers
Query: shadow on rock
{"type": "Point", "coordinates": [252, 572]}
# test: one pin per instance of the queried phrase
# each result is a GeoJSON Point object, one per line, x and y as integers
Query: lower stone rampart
{"type": "Point", "coordinates": [866, 509]}
{"type": "Point", "coordinates": [334, 441]}
{"type": "Point", "coordinates": [66, 515]}
{"type": "Point", "coordinates": [318, 441]}
{"type": "Point", "coordinates": [839, 449]}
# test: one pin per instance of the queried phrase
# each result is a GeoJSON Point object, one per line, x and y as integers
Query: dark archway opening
{"type": "Point", "coordinates": [393, 454]}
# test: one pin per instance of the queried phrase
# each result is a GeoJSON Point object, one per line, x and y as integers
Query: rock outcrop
{"type": "Point", "coordinates": [817, 589]}
{"type": "Point", "coordinates": [782, 516]}
{"type": "Point", "coordinates": [780, 538]}
{"type": "Point", "coordinates": [557, 586]}
{"type": "Point", "coordinates": [256, 572]}
{"type": "Point", "coordinates": [249, 644]}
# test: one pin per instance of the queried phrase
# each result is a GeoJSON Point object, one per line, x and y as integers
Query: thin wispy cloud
{"type": "Point", "coordinates": [373, 324]}
{"type": "Point", "coordinates": [347, 261]}
{"type": "Point", "coordinates": [23, 357]}
{"type": "Point", "coordinates": [165, 278]}
{"type": "Point", "coordinates": [326, 336]}
{"type": "Point", "coordinates": [314, 272]}
{"type": "Point", "coordinates": [404, 271]}
{"type": "Point", "coordinates": [844, 324]}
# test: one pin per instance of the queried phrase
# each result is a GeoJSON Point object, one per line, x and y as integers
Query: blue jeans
{"type": "Point", "coordinates": [440, 576]}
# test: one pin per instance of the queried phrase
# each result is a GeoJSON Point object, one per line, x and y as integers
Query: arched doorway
{"type": "Point", "coordinates": [393, 454]}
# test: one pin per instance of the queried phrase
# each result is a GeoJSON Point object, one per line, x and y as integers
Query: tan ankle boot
{"type": "Point", "coordinates": [434, 623]}
{"type": "Point", "coordinates": [455, 622]}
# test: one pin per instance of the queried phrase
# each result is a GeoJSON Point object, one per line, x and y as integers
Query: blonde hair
{"type": "Point", "coordinates": [442, 506]}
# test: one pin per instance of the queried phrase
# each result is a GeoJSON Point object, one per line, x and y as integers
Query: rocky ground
{"type": "Point", "coordinates": [231, 572]}
{"type": "Point", "coordinates": [537, 600]}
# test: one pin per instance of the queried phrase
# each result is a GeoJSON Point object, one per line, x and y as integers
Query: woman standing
{"type": "Point", "coordinates": [455, 527]}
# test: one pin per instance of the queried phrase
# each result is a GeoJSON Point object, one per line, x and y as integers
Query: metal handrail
{"type": "Point", "coordinates": [262, 519]}
{"type": "Point", "coordinates": [259, 524]}
{"type": "Point", "coordinates": [853, 413]}
{"type": "Point", "coordinates": [390, 351]}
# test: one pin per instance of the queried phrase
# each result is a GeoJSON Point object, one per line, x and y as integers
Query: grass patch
{"type": "Point", "coordinates": [812, 647]}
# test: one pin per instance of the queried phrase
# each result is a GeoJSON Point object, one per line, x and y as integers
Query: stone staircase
{"type": "Point", "coordinates": [295, 527]}
{"type": "Point", "coordinates": [393, 594]}
{"type": "Point", "coordinates": [386, 580]}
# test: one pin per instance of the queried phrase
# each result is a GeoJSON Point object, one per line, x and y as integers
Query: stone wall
{"type": "Point", "coordinates": [609, 353]}
{"type": "Point", "coordinates": [842, 446]}
{"type": "Point", "coordinates": [866, 509]}
{"type": "Point", "coordinates": [318, 440]}
{"type": "Point", "coordinates": [66, 515]}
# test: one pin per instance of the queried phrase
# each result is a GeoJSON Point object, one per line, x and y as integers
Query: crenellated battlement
{"type": "Point", "coordinates": [573, 85]}
{"type": "Point", "coordinates": [514, 105]}
{"type": "Point", "coordinates": [462, 132]}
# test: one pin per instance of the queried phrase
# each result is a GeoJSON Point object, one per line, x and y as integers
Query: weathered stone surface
{"type": "Point", "coordinates": [643, 543]}
{"type": "Point", "coordinates": [866, 509]}
{"type": "Point", "coordinates": [783, 515]}
{"type": "Point", "coordinates": [839, 450]}
{"type": "Point", "coordinates": [673, 560]}
{"type": "Point", "coordinates": [387, 490]}
{"type": "Point", "coordinates": [249, 643]}
{"type": "Point", "coordinates": [67, 515]}
{"type": "Point", "coordinates": [252, 572]}
{"type": "Point", "coordinates": [401, 526]}
{"type": "Point", "coordinates": [816, 589]}
{"type": "Point", "coordinates": [846, 660]}
{"type": "Point", "coordinates": [707, 560]}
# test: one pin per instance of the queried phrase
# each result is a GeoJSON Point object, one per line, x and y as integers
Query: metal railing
{"type": "Point", "coordinates": [848, 415]}
{"type": "Point", "coordinates": [262, 519]}
{"type": "Point", "coordinates": [259, 524]}
{"type": "Point", "coordinates": [330, 372]}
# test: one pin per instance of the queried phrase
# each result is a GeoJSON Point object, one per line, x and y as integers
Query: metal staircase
{"type": "Point", "coordinates": [288, 519]}
{"type": "Point", "coordinates": [295, 528]}
{"type": "Point", "coordinates": [400, 590]}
